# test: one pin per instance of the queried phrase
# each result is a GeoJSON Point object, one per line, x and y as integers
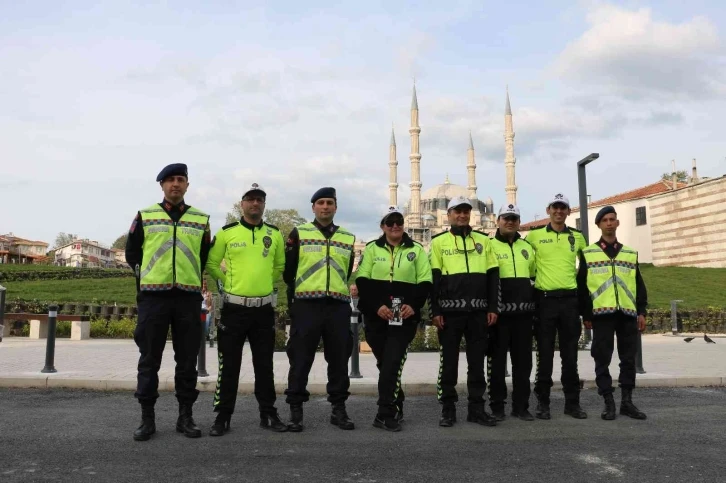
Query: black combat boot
{"type": "Point", "coordinates": [340, 418]}
{"type": "Point", "coordinates": [572, 408]}
{"type": "Point", "coordinates": [522, 414]}
{"type": "Point", "coordinates": [221, 424]}
{"type": "Point", "coordinates": [148, 424]}
{"type": "Point", "coordinates": [543, 406]}
{"type": "Point", "coordinates": [627, 408]}
{"type": "Point", "coordinates": [498, 413]}
{"type": "Point", "coordinates": [608, 413]}
{"type": "Point", "coordinates": [271, 420]}
{"type": "Point", "coordinates": [448, 416]}
{"type": "Point", "coordinates": [185, 423]}
{"type": "Point", "coordinates": [478, 414]}
{"type": "Point", "coordinates": [296, 418]}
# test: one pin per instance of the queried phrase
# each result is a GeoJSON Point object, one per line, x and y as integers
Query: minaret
{"type": "Point", "coordinates": [471, 169]}
{"type": "Point", "coordinates": [414, 220]}
{"type": "Point", "coordinates": [392, 172]}
{"type": "Point", "coordinates": [509, 159]}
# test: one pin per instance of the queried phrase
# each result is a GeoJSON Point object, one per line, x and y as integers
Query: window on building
{"type": "Point", "coordinates": [578, 224]}
{"type": "Point", "coordinates": [640, 217]}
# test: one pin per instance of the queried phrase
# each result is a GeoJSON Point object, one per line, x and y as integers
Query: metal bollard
{"type": "Point", "coordinates": [202, 357]}
{"type": "Point", "coordinates": [2, 312]}
{"type": "Point", "coordinates": [674, 316]}
{"type": "Point", "coordinates": [639, 355]}
{"type": "Point", "coordinates": [50, 345]}
{"type": "Point", "coordinates": [355, 357]}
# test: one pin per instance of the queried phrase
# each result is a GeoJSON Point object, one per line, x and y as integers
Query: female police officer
{"type": "Point", "coordinates": [394, 280]}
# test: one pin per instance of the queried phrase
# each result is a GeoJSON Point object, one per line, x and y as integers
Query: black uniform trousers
{"type": "Point", "coordinates": [604, 327]}
{"type": "Point", "coordinates": [312, 320]}
{"type": "Point", "coordinates": [557, 317]}
{"type": "Point", "coordinates": [473, 327]}
{"type": "Point", "coordinates": [182, 312]}
{"type": "Point", "coordinates": [389, 344]}
{"type": "Point", "coordinates": [237, 324]}
{"type": "Point", "coordinates": [513, 332]}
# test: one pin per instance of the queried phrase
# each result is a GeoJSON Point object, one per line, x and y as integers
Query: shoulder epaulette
{"type": "Point", "coordinates": [574, 229]}
{"type": "Point", "coordinates": [480, 232]}
{"type": "Point", "coordinates": [524, 240]}
{"type": "Point", "coordinates": [538, 227]}
{"type": "Point", "coordinates": [417, 243]}
{"type": "Point", "coordinates": [439, 234]}
{"type": "Point", "coordinates": [272, 226]}
{"type": "Point", "coordinates": [372, 241]}
{"type": "Point", "coordinates": [231, 225]}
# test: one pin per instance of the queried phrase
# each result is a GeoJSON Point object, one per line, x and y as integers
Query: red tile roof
{"type": "Point", "coordinates": [533, 224]}
{"type": "Point", "coordinates": [636, 194]}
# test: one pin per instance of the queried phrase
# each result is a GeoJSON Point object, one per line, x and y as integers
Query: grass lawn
{"type": "Point", "coordinates": [697, 287]}
{"type": "Point", "coordinates": [107, 290]}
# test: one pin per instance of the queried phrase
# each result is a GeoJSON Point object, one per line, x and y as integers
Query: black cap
{"type": "Point", "coordinates": [173, 170]}
{"type": "Point", "coordinates": [603, 211]}
{"type": "Point", "coordinates": [326, 192]}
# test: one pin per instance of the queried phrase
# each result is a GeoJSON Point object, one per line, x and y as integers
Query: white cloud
{"type": "Point", "coordinates": [631, 54]}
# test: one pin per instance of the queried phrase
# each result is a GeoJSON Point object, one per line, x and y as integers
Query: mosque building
{"type": "Point", "coordinates": [425, 214]}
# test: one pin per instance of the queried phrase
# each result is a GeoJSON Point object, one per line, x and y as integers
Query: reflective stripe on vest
{"type": "Point", "coordinates": [172, 250]}
{"type": "Point", "coordinates": [611, 282]}
{"type": "Point", "coordinates": [322, 269]}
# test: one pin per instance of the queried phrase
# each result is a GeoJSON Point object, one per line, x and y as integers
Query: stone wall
{"type": "Point", "coordinates": [688, 225]}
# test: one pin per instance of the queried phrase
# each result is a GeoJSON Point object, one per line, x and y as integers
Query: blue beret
{"type": "Point", "coordinates": [326, 192]}
{"type": "Point", "coordinates": [172, 170]}
{"type": "Point", "coordinates": [603, 211]}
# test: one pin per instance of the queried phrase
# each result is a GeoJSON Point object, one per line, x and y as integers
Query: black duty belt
{"type": "Point", "coordinates": [558, 294]}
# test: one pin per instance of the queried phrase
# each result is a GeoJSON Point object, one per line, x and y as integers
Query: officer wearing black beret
{"type": "Point", "coordinates": [167, 247]}
{"type": "Point", "coordinates": [613, 301]}
{"type": "Point", "coordinates": [318, 264]}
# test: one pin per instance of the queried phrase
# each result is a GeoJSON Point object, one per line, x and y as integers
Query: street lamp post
{"type": "Point", "coordinates": [582, 183]}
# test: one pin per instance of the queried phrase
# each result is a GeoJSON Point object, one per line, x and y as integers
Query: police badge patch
{"type": "Point", "coordinates": [571, 239]}
{"type": "Point", "coordinates": [267, 241]}
{"type": "Point", "coordinates": [411, 256]}
{"type": "Point", "coordinates": [525, 254]}
{"type": "Point", "coordinates": [479, 248]}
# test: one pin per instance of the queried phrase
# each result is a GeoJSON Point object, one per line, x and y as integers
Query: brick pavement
{"type": "Point", "coordinates": [111, 364]}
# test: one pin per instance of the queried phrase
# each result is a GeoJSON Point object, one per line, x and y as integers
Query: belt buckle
{"type": "Point", "coordinates": [253, 302]}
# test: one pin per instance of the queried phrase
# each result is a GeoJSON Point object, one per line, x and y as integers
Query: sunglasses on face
{"type": "Point", "coordinates": [394, 221]}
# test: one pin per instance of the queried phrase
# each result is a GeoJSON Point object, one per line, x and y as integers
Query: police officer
{"type": "Point", "coordinates": [613, 300]}
{"type": "Point", "coordinates": [464, 302]}
{"type": "Point", "coordinates": [513, 329]}
{"type": "Point", "coordinates": [318, 264]}
{"type": "Point", "coordinates": [394, 281]}
{"type": "Point", "coordinates": [254, 255]}
{"type": "Point", "coordinates": [557, 246]}
{"type": "Point", "coordinates": [167, 248]}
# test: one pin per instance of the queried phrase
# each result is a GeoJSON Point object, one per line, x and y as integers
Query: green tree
{"type": "Point", "coordinates": [285, 220]}
{"type": "Point", "coordinates": [120, 241]}
{"type": "Point", "coordinates": [64, 239]}
{"type": "Point", "coordinates": [681, 176]}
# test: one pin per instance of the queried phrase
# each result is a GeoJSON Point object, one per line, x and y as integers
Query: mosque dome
{"type": "Point", "coordinates": [445, 190]}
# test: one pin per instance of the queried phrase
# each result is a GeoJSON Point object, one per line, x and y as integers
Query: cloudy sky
{"type": "Point", "coordinates": [97, 97]}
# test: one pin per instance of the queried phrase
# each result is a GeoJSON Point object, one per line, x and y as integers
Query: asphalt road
{"type": "Point", "coordinates": [79, 436]}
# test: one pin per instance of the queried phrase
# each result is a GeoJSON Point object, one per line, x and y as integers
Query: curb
{"type": "Point", "coordinates": [358, 387]}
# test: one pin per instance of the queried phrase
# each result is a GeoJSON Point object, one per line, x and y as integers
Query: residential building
{"type": "Point", "coordinates": [119, 256]}
{"type": "Point", "coordinates": [85, 254]}
{"type": "Point", "coordinates": [14, 249]}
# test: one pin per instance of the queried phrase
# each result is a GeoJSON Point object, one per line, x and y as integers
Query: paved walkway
{"type": "Point", "coordinates": [111, 365]}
